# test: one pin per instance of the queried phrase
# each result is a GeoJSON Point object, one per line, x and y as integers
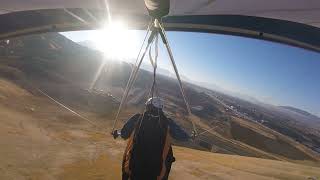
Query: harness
{"type": "Point", "coordinates": [132, 143]}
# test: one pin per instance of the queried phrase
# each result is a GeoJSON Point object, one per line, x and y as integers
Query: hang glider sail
{"type": "Point", "coordinates": [292, 22]}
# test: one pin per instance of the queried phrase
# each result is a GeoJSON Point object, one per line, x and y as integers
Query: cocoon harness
{"type": "Point", "coordinates": [148, 148]}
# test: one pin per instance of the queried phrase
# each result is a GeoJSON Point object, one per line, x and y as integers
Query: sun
{"type": "Point", "coordinates": [116, 41]}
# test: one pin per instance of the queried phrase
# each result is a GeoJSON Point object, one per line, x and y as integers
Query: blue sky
{"type": "Point", "coordinates": [270, 72]}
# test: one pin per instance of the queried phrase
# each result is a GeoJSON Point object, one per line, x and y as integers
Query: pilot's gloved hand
{"type": "Point", "coordinates": [115, 134]}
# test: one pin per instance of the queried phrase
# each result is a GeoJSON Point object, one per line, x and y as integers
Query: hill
{"type": "Point", "coordinates": [302, 112]}
{"type": "Point", "coordinates": [41, 140]}
{"type": "Point", "coordinates": [33, 124]}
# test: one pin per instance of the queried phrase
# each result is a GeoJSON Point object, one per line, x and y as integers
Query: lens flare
{"type": "Point", "coordinates": [116, 41]}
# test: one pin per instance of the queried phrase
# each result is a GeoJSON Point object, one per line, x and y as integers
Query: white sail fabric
{"type": "Point", "coordinates": [301, 11]}
{"type": "Point", "coordinates": [292, 22]}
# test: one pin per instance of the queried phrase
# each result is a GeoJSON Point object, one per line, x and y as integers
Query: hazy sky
{"type": "Point", "coordinates": [271, 72]}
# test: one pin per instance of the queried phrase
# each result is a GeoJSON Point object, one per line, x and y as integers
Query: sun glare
{"type": "Point", "coordinates": [116, 41]}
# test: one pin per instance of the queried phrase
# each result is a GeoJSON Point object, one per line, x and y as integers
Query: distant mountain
{"type": "Point", "coordinates": [209, 85]}
{"type": "Point", "coordinates": [147, 66]}
{"type": "Point", "coordinates": [296, 110]}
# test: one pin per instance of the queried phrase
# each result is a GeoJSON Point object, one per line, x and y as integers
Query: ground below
{"type": "Point", "coordinates": [40, 140]}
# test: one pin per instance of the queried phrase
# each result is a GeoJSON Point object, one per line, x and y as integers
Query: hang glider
{"type": "Point", "coordinates": [292, 22]}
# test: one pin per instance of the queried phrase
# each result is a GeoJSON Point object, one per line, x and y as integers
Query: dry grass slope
{"type": "Point", "coordinates": [38, 141]}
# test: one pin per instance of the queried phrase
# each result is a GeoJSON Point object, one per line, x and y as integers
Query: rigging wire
{"type": "Point", "coordinates": [153, 86]}
{"type": "Point", "coordinates": [70, 110]}
{"type": "Point", "coordinates": [75, 16]}
{"type": "Point", "coordinates": [157, 28]}
{"type": "Point", "coordinates": [108, 11]}
{"type": "Point", "coordinates": [135, 75]}
{"type": "Point", "coordinates": [59, 103]}
{"type": "Point", "coordinates": [153, 61]}
{"type": "Point", "coordinates": [130, 84]}
{"type": "Point", "coordinates": [154, 65]}
{"type": "Point", "coordinates": [165, 41]}
{"type": "Point", "coordinates": [90, 15]}
{"type": "Point", "coordinates": [132, 77]}
{"type": "Point", "coordinates": [206, 130]}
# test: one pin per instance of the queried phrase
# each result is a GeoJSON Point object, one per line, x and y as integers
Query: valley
{"type": "Point", "coordinates": [43, 140]}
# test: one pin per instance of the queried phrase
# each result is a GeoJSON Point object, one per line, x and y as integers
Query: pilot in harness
{"type": "Point", "coordinates": [149, 155]}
